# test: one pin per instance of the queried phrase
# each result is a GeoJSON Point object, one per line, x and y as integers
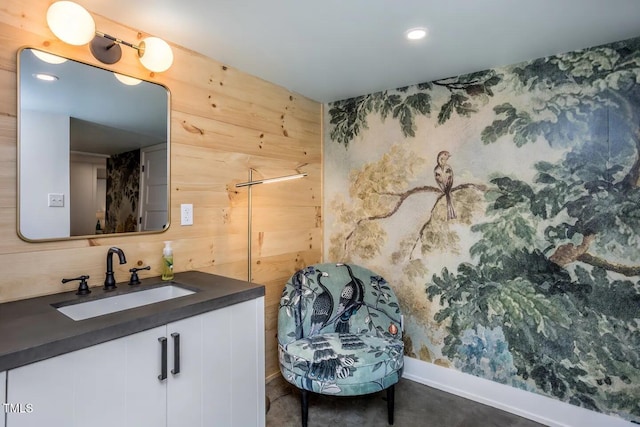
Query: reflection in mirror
{"type": "Point", "coordinates": [93, 150]}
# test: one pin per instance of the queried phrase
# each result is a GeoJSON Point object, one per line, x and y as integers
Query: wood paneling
{"type": "Point", "coordinates": [223, 121]}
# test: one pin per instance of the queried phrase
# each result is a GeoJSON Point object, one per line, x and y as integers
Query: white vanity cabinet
{"type": "Point", "coordinates": [119, 383]}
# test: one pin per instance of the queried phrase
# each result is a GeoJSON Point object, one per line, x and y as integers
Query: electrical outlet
{"type": "Point", "coordinates": [186, 214]}
{"type": "Point", "coordinates": [56, 200]}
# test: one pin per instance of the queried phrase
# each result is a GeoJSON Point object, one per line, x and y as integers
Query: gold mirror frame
{"type": "Point", "coordinates": [145, 137]}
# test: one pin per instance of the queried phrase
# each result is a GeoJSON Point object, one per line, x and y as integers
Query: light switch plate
{"type": "Point", "coordinates": [56, 200]}
{"type": "Point", "coordinates": [186, 214]}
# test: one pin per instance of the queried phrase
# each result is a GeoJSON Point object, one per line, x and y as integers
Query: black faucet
{"type": "Point", "coordinates": [109, 281]}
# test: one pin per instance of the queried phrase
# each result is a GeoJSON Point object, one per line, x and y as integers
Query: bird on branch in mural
{"type": "Point", "coordinates": [444, 177]}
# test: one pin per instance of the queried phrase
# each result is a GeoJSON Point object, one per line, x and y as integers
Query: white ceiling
{"type": "Point", "coordinates": [334, 49]}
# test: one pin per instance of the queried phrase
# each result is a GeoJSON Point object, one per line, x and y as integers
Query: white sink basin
{"type": "Point", "coordinates": [98, 307]}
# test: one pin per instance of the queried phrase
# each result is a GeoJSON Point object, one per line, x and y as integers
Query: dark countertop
{"type": "Point", "coordinates": [33, 330]}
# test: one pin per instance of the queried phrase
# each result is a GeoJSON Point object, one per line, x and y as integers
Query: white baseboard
{"type": "Point", "coordinates": [272, 377]}
{"type": "Point", "coordinates": [541, 409]}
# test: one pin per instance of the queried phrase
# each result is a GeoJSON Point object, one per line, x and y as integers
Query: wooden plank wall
{"type": "Point", "coordinates": [223, 122]}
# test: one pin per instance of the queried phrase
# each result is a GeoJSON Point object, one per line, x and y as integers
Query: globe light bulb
{"type": "Point", "coordinates": [155, 54]}
{"type": "Point", "coordinates": [71, 23]}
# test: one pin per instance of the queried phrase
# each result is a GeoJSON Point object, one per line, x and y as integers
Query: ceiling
{"type": "Point", "coordinates": [335, 49]}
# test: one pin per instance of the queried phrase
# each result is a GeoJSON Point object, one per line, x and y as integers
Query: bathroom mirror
{"type": "Point", "coordinates": [93, 150]}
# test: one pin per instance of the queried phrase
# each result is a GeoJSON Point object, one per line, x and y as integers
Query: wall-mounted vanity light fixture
{"type": "Point", "coordinates": [250, 184]}
{"type": "Point", "coordinates": [74, 25]}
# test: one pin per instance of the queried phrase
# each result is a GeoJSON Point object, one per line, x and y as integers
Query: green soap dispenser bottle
{"type": "Point", "coordinates": [167, 261]}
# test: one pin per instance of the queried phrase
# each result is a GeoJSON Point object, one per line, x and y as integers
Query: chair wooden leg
{"type": "Point", "coordinates": [304, 402]}
{"type": "Point", "coordinates": [391, 395]}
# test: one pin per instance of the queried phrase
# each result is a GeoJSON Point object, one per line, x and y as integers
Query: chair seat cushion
{"type": "Point", "coordinates": [342, 364]}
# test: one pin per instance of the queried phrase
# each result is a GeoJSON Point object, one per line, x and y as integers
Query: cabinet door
{"type": "Point", "coordinates": [247, 387]}
{"type": "Point", "coordinates": [109, 384]}
{"type": "Point", "coordinates": [233, 342]}
{"type": "Point", "coordinates": [218, 369]}
{"type": "Point", "coordinates": [145, 395]}
{"type": "Point", "coordinates": [184, 389]}
{"type": "Point", "coordinates": [76, 389]}
{"type": "Point", "coordinates": [221, 380]}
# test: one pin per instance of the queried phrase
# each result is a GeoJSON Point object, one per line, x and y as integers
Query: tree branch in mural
{"type": "Point", "coordinates": [569, 253]}
{"type": "Point", "coordinates": [549, 284]}
{"type": "Point", "coordinates": [429, 230]}
{"type": "Point", "coordinates": [349, 117]}
{"type": "Point", "coordinates": [380, 189]}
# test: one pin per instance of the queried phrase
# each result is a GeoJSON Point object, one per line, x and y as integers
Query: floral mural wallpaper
{"type": "Point", "coordinates": [123, 192]}
{"type": "Point", "coordinates": [503, 207]}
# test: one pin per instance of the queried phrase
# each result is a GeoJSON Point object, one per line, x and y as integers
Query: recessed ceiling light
{"type": "Point", "coordinates": [416, 33]}
{"type": "Point", "coordinates": [45, 77]}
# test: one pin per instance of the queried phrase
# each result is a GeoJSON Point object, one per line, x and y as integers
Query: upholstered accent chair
{"type": "Point", "coordinates": [339, 333]}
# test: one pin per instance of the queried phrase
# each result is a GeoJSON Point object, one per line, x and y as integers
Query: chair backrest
{"type": "Point", "coordinates": [342, 298]}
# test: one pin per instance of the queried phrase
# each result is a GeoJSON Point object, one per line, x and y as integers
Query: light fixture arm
{"type": "Point", "coordinates": [106, 48]}
{"type": "Point", "coordinates": [116, 40]}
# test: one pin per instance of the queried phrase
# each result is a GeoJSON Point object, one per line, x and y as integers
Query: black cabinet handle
{"type": "Point", "coordinates": [163, 357]}
{"type": "Point", "coordinates": [176, 353]}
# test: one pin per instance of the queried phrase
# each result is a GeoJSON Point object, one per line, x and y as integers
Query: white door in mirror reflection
{"type": "Point", "coordinates": [153, 188]}
{"type": "Point", "coordinates": [87, 193]}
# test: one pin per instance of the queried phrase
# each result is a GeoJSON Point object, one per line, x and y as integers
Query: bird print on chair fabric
{"type": "Point", "coordinates": [322, 307]}
{"type": "Point", "coordinates": [327, 365]}
{"type": "Point", "coordinates": [351, 299]}
{"type": "Point", "coordinates": [351, 342]}
{"type": "Point", "coordinates": [298, 280]}
{"type": "Point", "coordinates": [444, 177]}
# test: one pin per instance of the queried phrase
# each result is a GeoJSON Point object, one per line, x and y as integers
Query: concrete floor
{"type": "Point", "coordinates": [416, 405]}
